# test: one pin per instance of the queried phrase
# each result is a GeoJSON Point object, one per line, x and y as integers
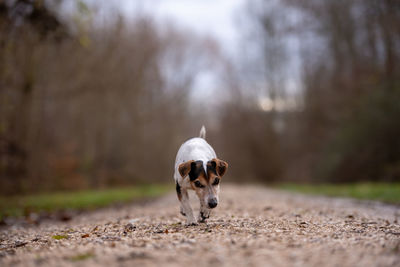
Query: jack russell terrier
{"type": "Point", "coordinates": [198, 168]}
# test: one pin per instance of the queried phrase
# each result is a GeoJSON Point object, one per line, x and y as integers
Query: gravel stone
{"type": "Point", "coordinates": [252, 226]}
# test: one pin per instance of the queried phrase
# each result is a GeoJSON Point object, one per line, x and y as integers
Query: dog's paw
{"type": "Point", "coordinates": [192, 222]}
{"type": "Point", "coordinates": [203, 216]}
{"type": "Point", "coordinates": [202, 220]}
{"type": "Point", "coordinates": [182, 212]}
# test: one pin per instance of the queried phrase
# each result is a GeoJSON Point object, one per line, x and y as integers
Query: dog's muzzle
{"type": "Point", "coordinates": [212, 203]}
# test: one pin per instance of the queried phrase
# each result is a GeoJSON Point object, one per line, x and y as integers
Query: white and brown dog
{"type": "Point", "coordinates": [198, 168]}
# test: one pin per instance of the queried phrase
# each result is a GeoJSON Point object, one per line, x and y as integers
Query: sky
{"type": "Point", "coordinates": [217, 19]}
{"type": "Point", "coordinates": [214, 18]}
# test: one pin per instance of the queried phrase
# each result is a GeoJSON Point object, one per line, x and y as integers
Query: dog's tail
{"type": "Point", "coordinates": [203, 132]}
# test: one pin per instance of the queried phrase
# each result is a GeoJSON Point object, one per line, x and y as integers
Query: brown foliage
{"type": "Point", "coordinates": [76, 115]}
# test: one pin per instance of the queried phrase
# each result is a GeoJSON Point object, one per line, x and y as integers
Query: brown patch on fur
{"type": "Point", "coordinates": [184, 168]}
{"type": "Point", "coordinates": [207, 181]}
{"type": "Point", "coordinates": [211, 173]}
{"type": "Point", "coordinates": [212, 178]}
{"type": "Point", "coordinates": [217, 167]}
{"type": "Point", "coordinates": [203, 179]}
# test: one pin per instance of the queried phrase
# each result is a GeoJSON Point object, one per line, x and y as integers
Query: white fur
{"type": "Point", "coordinates": [203, 132]}
{"type": "Point", "coordinates": [193, 149]}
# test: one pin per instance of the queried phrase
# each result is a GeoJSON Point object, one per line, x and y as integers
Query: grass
{"type": "Point", "coordinates": [81, 257]}
{"type": "Point", "coordinates": [59, 237]}
{"type": "Point", "coordinates": [17, 206]}
{"type": "Point", "coordinates": [385, 192]}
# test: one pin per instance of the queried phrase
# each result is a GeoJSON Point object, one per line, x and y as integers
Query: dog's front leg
{"type": "Point", "coordinates": [204, 212]}
{"type": "Point", "coordinates": [187, 209]}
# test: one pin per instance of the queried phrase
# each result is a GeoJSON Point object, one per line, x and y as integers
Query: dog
{"type": "Point", "coordinates": [198, 168]}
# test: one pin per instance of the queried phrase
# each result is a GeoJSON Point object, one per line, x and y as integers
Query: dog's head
{"type": "Point", "coordinates": [205, 182]}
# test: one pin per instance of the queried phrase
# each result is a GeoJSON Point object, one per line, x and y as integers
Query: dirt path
{"type": "Point", "coordinates": [253, 226]}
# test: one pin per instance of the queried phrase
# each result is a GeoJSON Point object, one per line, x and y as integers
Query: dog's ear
{"type": "Point", "coordinates": [219, 166]}
{"type": "Point", "coordinates": [191, 168]}
{"type": "Point", "coordinates": [185, 168]}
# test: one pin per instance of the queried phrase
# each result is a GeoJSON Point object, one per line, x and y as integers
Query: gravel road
{"type": "Point", "coordinates": [252, 226]}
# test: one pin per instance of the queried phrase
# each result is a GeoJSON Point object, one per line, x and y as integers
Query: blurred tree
{"type": "Point", "coordinates": [108, 109]}
{"type": "Point", "coordinates": [349, 77]}
{"type": "Point", "coordinates": [20, 20]}
{"type": "Point", "coordinates": [351, 88]}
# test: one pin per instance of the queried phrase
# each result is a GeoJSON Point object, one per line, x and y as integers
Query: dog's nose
{"type": "Point", "coordinates": [212, 203]}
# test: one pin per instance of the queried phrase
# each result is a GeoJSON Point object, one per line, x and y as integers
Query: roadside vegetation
{"type": "Point", "coordinates": [385, 192]}
{"type": "Point", "coordinates": [17, 206]}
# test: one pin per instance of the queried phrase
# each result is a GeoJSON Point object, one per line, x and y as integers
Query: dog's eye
{"type": "Point", "coordinates": [198, 184]}
{"type": "Point", "coordinates": [216, 181]}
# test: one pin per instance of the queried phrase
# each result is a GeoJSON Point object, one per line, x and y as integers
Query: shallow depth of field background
{"type": "Point", "coordinates": [91, 98]}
